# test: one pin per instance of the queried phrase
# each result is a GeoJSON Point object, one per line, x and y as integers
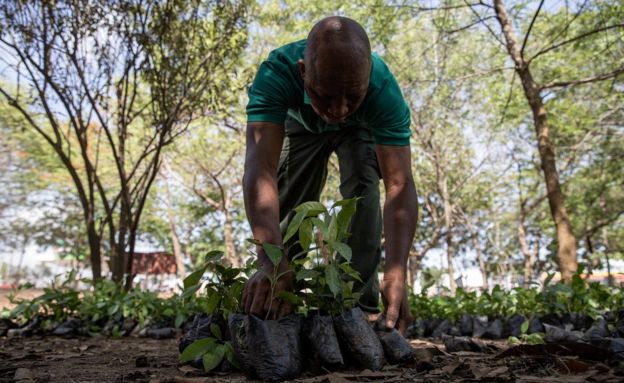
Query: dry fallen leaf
{"type": "Point", "coordinates": [187, 369]}
{"type": "Point", "coordinates": [23, 375]}
{"type": "Point", "coordinates": [553, 379]}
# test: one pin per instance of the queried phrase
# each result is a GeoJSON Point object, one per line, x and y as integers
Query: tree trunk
{"type": "Point", "coordinates": [589, 257]}
{"type": "Point", "coordinates": [228, 237]}
{"type": "Point", "coordinates": [449, 243]}
{"type": "Point", "coordinates": [18, 273]}
{"type": "Point", "coordinates": [175, 239]}
{"type": "Point", "coordinates": [120, 251]}
{"type": "Point", "coordinates": [526, 253]}
{"type": "Point", "coordinates": [482, 265]}
{"type": "Point", "coordinates": [413, 265]}
{"type": "Point", "coordinates": [475, 244]}
{"type": "Point", "coordinates": [605, 240]}
{"type": "Point", "coordinates": [565, 237]}
{"type": "Point", "coordinates": [449, 260]}
{"type": "Point", "coordinates": [95, 252]}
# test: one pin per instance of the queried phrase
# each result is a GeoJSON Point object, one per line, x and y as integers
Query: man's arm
{"type": "Point", "coordinates": [400, 216]}
{"type": "Point", "coordinates": [264, 144]}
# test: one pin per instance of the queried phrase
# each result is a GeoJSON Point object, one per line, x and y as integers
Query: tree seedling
{"type": "Point", "coordinates": [324, 273]}
{"type": "Point", "coordinates": [223, 293]}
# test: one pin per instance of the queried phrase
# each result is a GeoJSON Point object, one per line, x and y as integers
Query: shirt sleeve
{"type": "Point", "coordinates": [389, 115]}
{"type": "Point", "coordinates": [269, 95]}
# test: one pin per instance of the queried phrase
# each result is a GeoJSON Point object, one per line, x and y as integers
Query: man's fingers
{"type": "Point", "coordinates": [392, 314]}
{"type": "Point", "coordinates": [384, 301]}
{"type": "Point", "coordinates": [258, 299]}
{"type": "Point", "coordinates": [257, 305]}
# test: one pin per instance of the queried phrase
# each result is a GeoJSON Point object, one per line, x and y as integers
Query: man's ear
{"type": "Point", "coordinates": [301, 65]}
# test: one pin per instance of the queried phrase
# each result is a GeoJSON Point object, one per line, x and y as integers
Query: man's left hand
{"type": "Point", "coordinates": [396, 306]}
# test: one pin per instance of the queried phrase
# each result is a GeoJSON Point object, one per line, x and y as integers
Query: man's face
{"type": "Point", "coordinates": [335, 93]}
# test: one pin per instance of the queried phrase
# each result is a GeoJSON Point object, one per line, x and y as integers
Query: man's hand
{"type": "Point", "coordinates": [396, 306]}
{"type": "Point", "coordinates": [257, 299]}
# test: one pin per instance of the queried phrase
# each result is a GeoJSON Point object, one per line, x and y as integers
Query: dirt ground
{"type": "Point", "coordinates": [54, 359]}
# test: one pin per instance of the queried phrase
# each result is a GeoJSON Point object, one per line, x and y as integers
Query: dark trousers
{"type": "Point", "coordinates": [302, 174]}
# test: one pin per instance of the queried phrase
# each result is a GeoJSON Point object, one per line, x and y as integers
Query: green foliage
{"type": "Point", "coordinates": [212, 351]}
{"type": "Point", "coordinates": [324, 275]}
{"type": "Point", "coordinates": [220, 293]}
{"type": "Point", "coordinates": [535, 338]}
{"type": "Point", "coordinates": [169, 63]}
{"type": "Point", "coordinates": [104, 303]}
{"type": "Point", "coordinates": [558, 298]}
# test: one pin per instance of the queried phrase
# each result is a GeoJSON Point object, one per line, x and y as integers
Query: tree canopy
{"type": "Point", "coordinates": [124, 122]}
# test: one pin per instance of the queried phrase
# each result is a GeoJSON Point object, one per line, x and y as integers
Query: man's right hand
{"type": "Point", "coordinates": [257, 293]}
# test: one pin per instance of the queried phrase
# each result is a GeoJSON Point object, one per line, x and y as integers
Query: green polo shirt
{"type": "Point", "coordinates": [277, 92]}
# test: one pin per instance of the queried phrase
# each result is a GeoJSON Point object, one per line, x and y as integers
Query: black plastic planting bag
{"type": "Point", "coordinates": [201, 328]}
{"type": "Point", "coordinates": [236, 328]}
{"type": "Point", "coordinates": [318, 332]}
{"type": "Point", "coordinates": [360, 343]}
{"type": "Point", "coordinates": [267, 349]}
{"type": "Point", "coordinates": [396, 348]}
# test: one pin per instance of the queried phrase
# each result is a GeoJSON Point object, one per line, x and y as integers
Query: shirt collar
{"type": "Point", "coordinates": [306, 98]}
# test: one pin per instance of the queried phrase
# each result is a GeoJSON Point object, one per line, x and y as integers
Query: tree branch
{"type": "Point", "coordinates": [468, 26]}
{"type": "Point", "coordinates": [486, 25]}
{"type": "Point", "coordinates": [526, 36]}
{"type": "Point", "coordinates": [561, 84]}
{"type": "Point", "coordinates": [573, 39]}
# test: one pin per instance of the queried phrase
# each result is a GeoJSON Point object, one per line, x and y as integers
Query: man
{"type": "Point", "coordinates": [327, 94]}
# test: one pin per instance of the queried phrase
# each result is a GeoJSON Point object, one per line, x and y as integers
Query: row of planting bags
{"type": "Point", "coordinates": [275, 350]}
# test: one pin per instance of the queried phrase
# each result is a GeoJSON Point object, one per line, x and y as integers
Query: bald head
{"type": "Point", "coordinates": [339, 41]}
{"type": "Point", "coordinates": [336, 67]}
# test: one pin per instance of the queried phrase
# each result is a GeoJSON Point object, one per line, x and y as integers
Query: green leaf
{"type": "Point", "coordinates": [512, 340]}
{"type": "Point", "coordinates": [347, 269]}
{"type": "Point", "coordinates": [213, 357]}
{"type": "Point", "coordinates": [117, 332]}
{"type": "Point", "coordinates": [343, 249]}
{"type": "Point", "coordinates": [306, 234]}
{"type": "Point", "coordinates": [216, 331]}
{"type": "Point", "coordinates": [536, 338]}
{"type": "Point", "coordinates": [294, 224]}
{"type": "Point", "coordinates": [168, 312]}
{"type": "Point", "coordinates": [180, 318]}
{"type": "Point", "coordinates": [333, 279]}
{"type": "Point", "coordinates": [230, 355]}
{"type": "Point", "coordinates": [197, 349]}
{"type": "Point", "coordinates": [213, 256]}
{"type": "Point", "coordinates": [194, 278]}
{"type": "Point", "coordinates": [189, 292]}
{"type": "Point", "coordinates": [289, 297]}
{"type": "Point", "coordinates": [312, 208]}
{"type": "Point", "coordinates": [322, 226]}
{"type": "Point", "coordinates": [274, 253]}
{"type": "Point", "coordinates": [332, 230]}
{"type": "Point", "coordinates": [213, 303]}
{"type": "Point", "coordinates": [306, 274]}
{"type": "Point", "coordinates": [113, 309]}
{"type": "Point", "coordinates": [525, 327]}
{"type": "Point", "coordinates": [348, 208]}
